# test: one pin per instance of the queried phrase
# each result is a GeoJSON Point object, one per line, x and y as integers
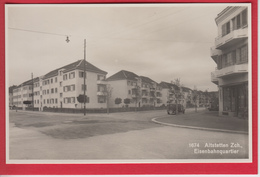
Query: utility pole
{"type": "Point", "coordinates": [84, 77]}
{"type": "Point", "coordinates": [32, 94]}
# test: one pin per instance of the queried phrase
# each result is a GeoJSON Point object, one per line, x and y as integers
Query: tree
{"type": "Point", "coordinates": [127, 101]}
{"type": "Point", "coordinates": [81, 99]}
{"type": "Point", "coordinates": [178, 93]}
{"type": "Point", "coordinates": [118, 101]}
{"type": "Point", "coordinates": [195, 97]}
{"type": "Point", "coordinates": [108, 93]}
{"type": "Point", "coordinates": [137, 93]}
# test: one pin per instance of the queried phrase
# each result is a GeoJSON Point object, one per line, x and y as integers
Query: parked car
{"type": "Point", "coordinates": [171, 108]}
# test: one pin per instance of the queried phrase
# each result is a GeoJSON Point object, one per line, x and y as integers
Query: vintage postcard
{"type": "Point", "coordinates": [157, 84]}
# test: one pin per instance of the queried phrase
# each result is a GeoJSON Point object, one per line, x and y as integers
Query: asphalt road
{"type": "Point", "coordinates": [120, 136]}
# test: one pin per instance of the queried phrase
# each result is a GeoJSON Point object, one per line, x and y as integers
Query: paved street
{"type": "Point", "coordinates": [52, 136]}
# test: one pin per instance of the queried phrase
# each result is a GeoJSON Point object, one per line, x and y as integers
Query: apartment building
{"type": "Point", "coordinates": [141, 90]}
{"type": "Point", "coordinates": [168, 95]}
{"type": "Point", "coordinates": [230, 53]}
{"type": "Point", "coordinates": [60, 88]}
{"type": "Point", "coordinates": [10, 91]}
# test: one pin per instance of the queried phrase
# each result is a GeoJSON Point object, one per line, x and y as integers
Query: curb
{"type": "Point", "coordinates": [198, 128]}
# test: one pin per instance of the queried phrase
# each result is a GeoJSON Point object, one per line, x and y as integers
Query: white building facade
{"type": "Point", "coordinates": [142, 91]}
{"type": "Point", "coordinates": [61, 87]}
{"type": "Point", "coordinates": [230, 53]}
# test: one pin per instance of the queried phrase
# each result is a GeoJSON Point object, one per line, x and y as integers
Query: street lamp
{"type": "Point", "coordinates": [84, 77]}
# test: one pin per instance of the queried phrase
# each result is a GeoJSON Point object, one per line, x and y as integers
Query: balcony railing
{"type": "Point", "coordinates": [214, 53]}
{"type": "Point", "coordinates": [214, 79]}
{"type": "Point", "coordinates": [232, 37]}
{"type": "Point", "coordinates": [103, 82]}
{"type": "Point", "coordinates": [234, 69]}
{"type": "Point", "coordinates": [101, 93]}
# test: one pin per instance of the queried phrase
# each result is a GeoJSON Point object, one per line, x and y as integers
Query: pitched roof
{"type": "Point", "coordinates": [75, 65]}
{"type": "Point", "coordinates": [29, 82]}
{"type": "Point", "coordinates": [167, 85]}
{"type": "Point", "coordinates": [147, 80]}
{"type": "Point", "coordinates": [186, 89]}
{"type": "Point", "coordinates": [123, 75]}
{"type": "Point", "coordinates": [11, 88]}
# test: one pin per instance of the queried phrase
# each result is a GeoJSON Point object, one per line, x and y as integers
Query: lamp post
{"type": "Point", "coordinates": [84, 77]}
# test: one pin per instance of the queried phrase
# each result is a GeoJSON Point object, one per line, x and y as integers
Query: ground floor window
{"type": "Point", "coordinates": [235, 99]}
{"type": "Point", "coordinates": [101, 99]}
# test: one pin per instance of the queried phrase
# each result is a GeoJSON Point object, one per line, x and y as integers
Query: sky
{"type": "Point", "coordinates": [160, 41]}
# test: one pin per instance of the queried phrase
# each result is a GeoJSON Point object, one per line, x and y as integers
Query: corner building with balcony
{"type": "Point", "coordinates": [231, 56]}
{"type": "Point", "coordinates": [142, 91]}
{"type": "Point", "coordinates": [60, 88]}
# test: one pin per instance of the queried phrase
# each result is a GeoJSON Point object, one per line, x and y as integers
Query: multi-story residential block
{"type": "Point", "coordinates": [168, 93]}
{"type": "Point", "coordinates": [11, 100]}
{"type": "Point", "coordinates": [142, 91]}
{"type": "Point", "coordinates": [61, 87]}
{"type": "Point", "coordinates": [230, 53]}
{"type": "Point", "coordinates": [22, 93]}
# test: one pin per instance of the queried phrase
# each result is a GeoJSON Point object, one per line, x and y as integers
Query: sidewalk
{"type": "Point", "coordinates": [206, 120]}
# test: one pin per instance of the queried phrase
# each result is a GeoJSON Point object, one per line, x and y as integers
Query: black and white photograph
{"type": "Point", "coordinates": [128, 83]}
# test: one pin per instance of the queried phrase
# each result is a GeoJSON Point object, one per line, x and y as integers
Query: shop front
{"type": "Point", "coordinates": [235, 100]}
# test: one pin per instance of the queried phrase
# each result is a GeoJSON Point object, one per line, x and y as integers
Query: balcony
{"type": "Point", "coordinates": [101, 93]}
{"type": "Point", "coordinates": [214, 53]}
{"type": "Point", "coordinates": [101, 82]}
{"type": "Point", "coordinates": [231, 70]}
{"type": "Point", "coordinates": [214, 79]}
{"type": "Point", "coordinates": [232, 38]}
{"type": "Point", "coordinates": [145, 95]}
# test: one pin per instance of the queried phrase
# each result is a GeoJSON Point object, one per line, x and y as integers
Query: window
{"type": "Point", "coordinates": [65, 100]}
{"type": "Point", "coordinates": [37, 101]}
{"type": "Point", "coordinates": [100, 77]}
{"type": "Point", "coordinates": [129, 91]}
{"type": "Point", "coordinates": [101, 99]}
{"type": "Point", "coordinates": [101, 88]}
{"type": "Point", "coordinates": [82, 87]}
{"type": "Point", "coordinates": [56, 79]}
{"type": "Point", "coordinates": [47, 91]}
{"type": "Point", "coordinates": [244, 54]}
{"type": "Point", "coordinates": [72, 99]}
{"type": "Point", "coordinates": [56, 90]}
{"type": "Point", "coordinates": [56, 100]}
{"type": "Point", "coordinates": [244, 18]}
{"type": "Point", "coordinates": [65, 77]}
{"type": "Point", "coordinates": [72, 87]}
{"type": "Point", "coordinates": [81, 74]}
{"type": "Point", "coordinates": [60, 73]}
{"type": "Point", "coordinates": [226, 29]}
{"type": "Point", "coordinates": [51, 81]}
{"type": "Point", "coordinates": [44, 101]}
{"type": "Point", "coordinates": [68, 88]}
{"type": "Point", "coordinates": [238, 25]}
{"type": "Point", "coordinates": [52, 90]}
{"type": "Point", "coordinates": [60, 94]}
{"type": "Point", "coordinates": [72, 75]}
{"type": "Point", "coordinates": [65, 89]}
{"type": "Point", "coordinates": [47, 101]}
{"type": "Point", "coordinates": [68, 100]}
